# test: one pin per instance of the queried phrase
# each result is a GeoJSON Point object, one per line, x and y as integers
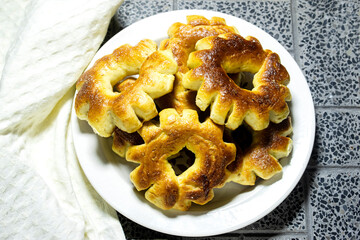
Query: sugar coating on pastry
{"type": "Point", "coordinates": [215, 58]}
{"type": "Point", "coordinates": [181, 41]}
{"type": "Point", "coordinates": [261, 158]}
{"type": "Point", "coordinates": [175, 132]}
{"type": "Point", "coordinates": [103, 108]}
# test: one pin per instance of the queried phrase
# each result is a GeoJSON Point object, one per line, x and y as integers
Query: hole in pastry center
{"type": "Point", "coordinates": [243, 79]}
{"type": "Point", "coordinates": [181, 161]}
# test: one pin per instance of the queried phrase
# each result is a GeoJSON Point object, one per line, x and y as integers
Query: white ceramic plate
{"type": "Point", "coordinates": [234, 206]}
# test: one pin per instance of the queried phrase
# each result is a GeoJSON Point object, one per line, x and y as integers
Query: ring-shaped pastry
{"type": "Point", "coordinates": [164, 188]}
{"type": "Point", "coordinates": [104, 108]}
{"type": "Point", "coordinates": [215, 58]}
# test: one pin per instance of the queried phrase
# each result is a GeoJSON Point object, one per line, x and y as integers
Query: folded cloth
{"type": "Point", "coordinates": [43, 191]}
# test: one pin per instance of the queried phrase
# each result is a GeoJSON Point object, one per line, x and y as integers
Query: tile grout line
{"type": "Point", "coordinates": [294, 24]}
{"type": "Point", "coordinates": [308, 212]}
{"type": "Point", "coordinates": [295, 39]}
{"type": "Point", "coordinates": [175, 5]}
{"type": "Point", "coordinates": [350, 168]}
{"type": "Point", "coordinates": [269, 231]}
{"type": "Point", "coordinates": [337, 107]}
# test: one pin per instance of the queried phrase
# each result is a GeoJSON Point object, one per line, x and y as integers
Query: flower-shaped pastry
{"type": "Point", "coordinates": [215, 58]}
{"type": "Point", "coordinates": [212, 155]}
{"type": "Point", "coordinates": [104, 108]}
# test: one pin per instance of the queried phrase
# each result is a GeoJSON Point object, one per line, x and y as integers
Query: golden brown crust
{"type": "Point", "coordinates": [207, 58]}
{"type": "Point", "coordinates": [261, 158]}
{"type": "Point", "coordinates": [103, 108]}
{"type": "Point", "coordinates": [198, 27]}
{"type": "Point", "coordinates": [123, 140]}
{"type": "Point", "coordinates": [230, 53]}
{"type": "Point", "coordinates": [165, 189]}
{"type": "Point", "coordinates": [182, 40]}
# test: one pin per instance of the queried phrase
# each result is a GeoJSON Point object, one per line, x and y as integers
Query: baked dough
{"type": "Point", "coordinates": [215, 58]}
{"type": "Point", "coordinates": [199, 65]}
{"type": "Point", "coordinates": [155, 173]}
{"type": "Point", "coordinates": [181, 41]}
{"type": "Point", "coordinates": [261, 157]}
{"type": "Point", "coordinates": [104, 109]}
{"type": "Point", "coordinates": [123, 140]}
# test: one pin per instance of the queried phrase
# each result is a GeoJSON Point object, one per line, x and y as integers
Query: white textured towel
{"type": "Point", "coordinates": [45, 46]}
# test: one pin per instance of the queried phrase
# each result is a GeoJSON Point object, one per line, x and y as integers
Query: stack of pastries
{"type": "Point", "coordinates": [207, 107]}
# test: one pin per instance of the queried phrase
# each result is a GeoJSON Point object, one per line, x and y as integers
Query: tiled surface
{"type": "Point", "coordinates": [196, 4]}
{"type": "Point", "coordinates": [337, 140]}
{"type": "Point", "coordinates": [288, 216]}
{"type": "Point", "coordinates": [132, 11]}
{"type": "Point", "coordinates": [272, 16]}
{"type": "Point", "coordinates": [329, 47]}
{"type": "Point", "coordinates": [334, 204]}
{"type": "Point", "coordinates": [323, 36]}
{"type": "Point", "coordinates": [278, 237]}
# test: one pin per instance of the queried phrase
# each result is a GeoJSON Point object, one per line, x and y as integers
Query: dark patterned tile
{"type": "Point", "coordinates": [196, 4]}
{"type": "Point", "coordinates": [334, 204]}
{"type": "Point", "coordinates": [219, 237]}
{"type": "Point", "coordinates": [133, 230]}
{"type": "Point", "coordinates": [113, 29]}
{"type": "Point", "coordinates": [278, 237]}
{"type": "Point", "coordinates": [329, 50]}
{"type": "Point", "coordinates": [133, 10]}
{"type": "Point", "coordinates": [271, 236]}
{"type": "Point", "coordinates": [288, 216]}
{"type": "Point", "coordinates": [274, 17]}
{"type": "Point", "coordinates": [337, 138]}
